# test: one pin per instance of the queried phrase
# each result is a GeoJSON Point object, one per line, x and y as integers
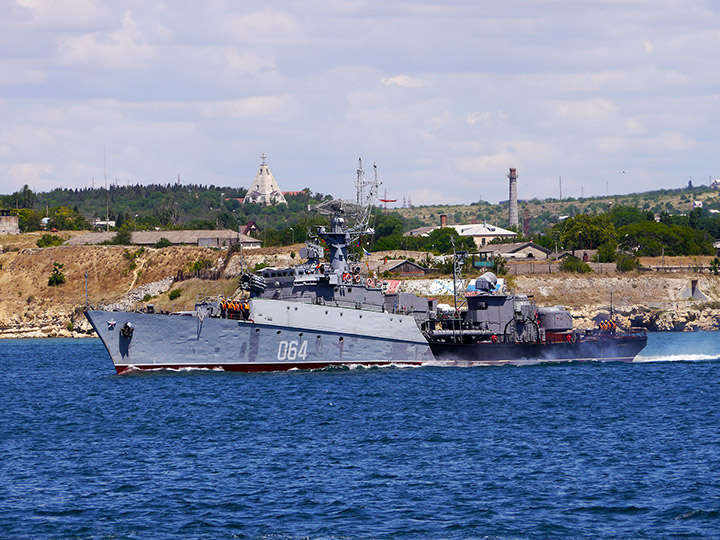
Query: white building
{"type": "Point", "coordinates": [264, 188]}
{"type": "Point", "coordinates": [482, 233]}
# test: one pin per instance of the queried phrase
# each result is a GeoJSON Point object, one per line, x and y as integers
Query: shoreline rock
{"type": "Point", "coordinates": [663, 307]}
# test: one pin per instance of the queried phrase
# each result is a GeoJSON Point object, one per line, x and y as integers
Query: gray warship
{"type": "Point", "coordinates": [325, 312]}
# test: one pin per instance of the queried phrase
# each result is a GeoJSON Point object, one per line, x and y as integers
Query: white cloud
{"type": "Point", "coordinates": [669, 141]}
{"type": "Point", "coordinates": [30, 173]}
{"type": "Point", "coordinates": [485, 118]}
{"type": "Point", "coordinates": [267, 27]}
{"type": "Point", "coordinates": [266, 108]}
{"type": "Point", "coordinates": [634, 126]}
{"type": "Point", "coordinates": [404, 81]}
{"type": "Point", "coordinates": [583, 114]}
{"type": "Point", "coordinates": [14, 72]}
{"type": "Point", "coordinates": [59, 13]}
{"type": "Point", "coordinates": [430, 91]}
{"type": "Point", "coordinates": [124, 48]}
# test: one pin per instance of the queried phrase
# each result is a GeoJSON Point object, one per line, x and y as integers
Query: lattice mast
{"type": "Point", "coordinates": [459, 258]}
{"type": "Point", "coordinates": [348, 220]}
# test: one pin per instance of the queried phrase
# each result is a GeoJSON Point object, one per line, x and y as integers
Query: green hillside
{"type": "Point", "coordinates": [682, 230]}
{"type": "Point", "coordinates": [163, 206]}
{"type": "Point", "coordinates": [543, 213]}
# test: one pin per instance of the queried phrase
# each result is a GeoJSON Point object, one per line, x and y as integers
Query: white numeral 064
{"type": "Point", "coordinates": [291, 350]}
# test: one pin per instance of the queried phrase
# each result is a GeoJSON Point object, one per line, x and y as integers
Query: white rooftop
{"type": "Point", "coordinates": [482, 229]}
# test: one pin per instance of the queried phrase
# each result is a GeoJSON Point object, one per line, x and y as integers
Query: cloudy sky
{"type": "Point", "coordinates": [617, 95]}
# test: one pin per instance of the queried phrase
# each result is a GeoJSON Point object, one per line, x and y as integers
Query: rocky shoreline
{"type": "Point", "coordinates": [667, 312]}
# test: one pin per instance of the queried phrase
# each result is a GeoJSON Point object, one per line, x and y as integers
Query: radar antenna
{"type": "Point", "coordinates": [348, 220]}
{"type": "Point", "coordinates": [357, 214]}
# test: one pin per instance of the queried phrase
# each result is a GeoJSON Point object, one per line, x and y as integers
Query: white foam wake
{"type": "Point", "coordinates": [678, 358]}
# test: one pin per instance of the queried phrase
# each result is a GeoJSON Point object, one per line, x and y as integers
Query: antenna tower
{"type": "Point", "coordinates": [107, 194]}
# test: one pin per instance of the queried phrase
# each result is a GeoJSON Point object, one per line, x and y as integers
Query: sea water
{"type": "Point", "coordinates": [593, 450]}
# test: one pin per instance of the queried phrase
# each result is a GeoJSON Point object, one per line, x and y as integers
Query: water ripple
{"type": "Point", "coordinates": [538, 452]}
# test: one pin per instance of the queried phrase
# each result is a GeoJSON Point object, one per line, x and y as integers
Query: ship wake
{"type": "Point", "coordinates": [679, 358]}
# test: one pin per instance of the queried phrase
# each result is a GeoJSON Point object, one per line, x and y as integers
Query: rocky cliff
{"type": "Point", "coordinates": [29, 307]}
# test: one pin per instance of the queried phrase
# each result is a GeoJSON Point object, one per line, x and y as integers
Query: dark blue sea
{"type": "Point", "coordinates": [626, 451]}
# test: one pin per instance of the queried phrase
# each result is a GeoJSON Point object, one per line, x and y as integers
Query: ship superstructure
{"type": "Point", "coordinates": [499, 328]}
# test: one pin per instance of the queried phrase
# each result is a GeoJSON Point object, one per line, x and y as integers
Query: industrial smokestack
{"type": "Point", "coordinates": [513, 213]}
{"type": "Point", "coordinates": [443, 221]}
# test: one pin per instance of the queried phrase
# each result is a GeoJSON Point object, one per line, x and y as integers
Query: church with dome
{"type": "Point", "coordinates": [264, 189]}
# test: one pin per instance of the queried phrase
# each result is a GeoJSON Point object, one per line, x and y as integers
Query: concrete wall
{"type": "Point", "coordinates": [9, 225]}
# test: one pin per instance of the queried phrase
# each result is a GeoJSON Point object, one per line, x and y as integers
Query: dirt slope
{"type": "Point", "coordinates": [26, 299]}
{"type": "Point", "coordinates": [30, 307]}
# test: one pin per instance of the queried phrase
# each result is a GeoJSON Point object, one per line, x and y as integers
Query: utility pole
{"type": "Point", "coordinates": [107, 194]}
{"type": "Point", "coordinates": [242, 260]}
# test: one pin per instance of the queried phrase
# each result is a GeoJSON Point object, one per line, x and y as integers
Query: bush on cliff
{"type": "Point", "coordinates": [57, 277]}
{"type": "Point", "coordinates": [715, 266]}
{"type": "Point", "coordinates": [49, 240]}
{"type": "Point", "coordinates": [627, 263]}
{"type": "Point", "coordinates": [162, 243]}
{"type": "Point", "coordinates": [573, 264]}
{"type": "Point", "coordinates": [175, 293]}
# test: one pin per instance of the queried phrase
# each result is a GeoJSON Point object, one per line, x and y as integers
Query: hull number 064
{"type": "Point", "coordinates": [291, 350]}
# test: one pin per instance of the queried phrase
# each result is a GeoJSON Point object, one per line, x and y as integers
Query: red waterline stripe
{"type": "Point", "coordinates": [255, 367]}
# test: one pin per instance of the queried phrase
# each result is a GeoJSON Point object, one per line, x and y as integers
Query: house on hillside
{"type": "Point", "coordinates": [420, 231]}
{"type": "Point", "coordinates": [519, 250]}
{"type": "Point", "coordinates": [400, 267]}
{"type": "Point", "coordinates": [204, 238]}
{"type": "Point", "coordinates": [586, 255]}
{"type": "Point", "coordinates": [250, 229]}
{"type": "Point", "coordinates": [481, 233]}
{"type": "Point", "coordinates": [103, 224]}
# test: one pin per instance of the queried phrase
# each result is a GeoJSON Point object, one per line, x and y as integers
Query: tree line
{"type": "Point", "coordinates": [620, 231]}
{"type": "Point", "coordinates": [625, 229]}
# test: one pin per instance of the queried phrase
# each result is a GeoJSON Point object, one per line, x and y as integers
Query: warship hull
{"type": "Point", "coordinates": [277, 336]}
{"type": "Point", "coordinates": [324, 313]}
{"type": "Point", "coordinates": [603, 348]}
